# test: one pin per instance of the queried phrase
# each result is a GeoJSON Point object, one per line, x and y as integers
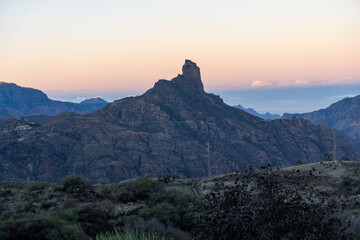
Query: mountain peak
{"type": "Point", "coordinates": [190, 77]}
{"type": "Point", "coordinates": [191, 70]}
{"type": "Point", "coordinates": [96, 100]}
{"type": "Point", "coordinates": [170, 129]}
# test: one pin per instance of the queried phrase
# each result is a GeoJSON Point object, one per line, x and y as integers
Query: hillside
{"type": "Point", "coordinates": [32, 118]}
{"type": "Point", "coordinates": [343, 115]}
{"type": "Point", "coordinates": [166, 206]}
{"type": "Point", "coordinates": [21, 101]}
{"type": "Point", "coordinates": [175, 127]}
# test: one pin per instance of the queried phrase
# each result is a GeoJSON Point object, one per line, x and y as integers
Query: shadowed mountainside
{"type": "Point", "coordinates": [175, 127]}
{"type": "Point", "coordinates": [21, 101]}
{"type": "Point", "coordinates": [343, 115]}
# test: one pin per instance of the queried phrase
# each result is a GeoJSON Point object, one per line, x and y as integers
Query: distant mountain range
{"type": "Point", "coordinates": [35, 105]}
{"type": "Point", "coordinates": [343, 115]}
{"type": "Point", "coordinates": [266, 116]}
{"type": "Point", "coordinates": [175, 127]}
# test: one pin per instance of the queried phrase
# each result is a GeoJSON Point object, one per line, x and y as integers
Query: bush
{"type": "Point", "coordinates": [166, 178]}
{"type": "Point", "coordinates": [73, 232]}
{"type": "Point", "coordinates": [95, 219]}
{"type": "Point", "coordinates": [36, 186]}
{"type": "Point", "coordinates": [76, 185]}
{"type": "Point", "coordinates": [171, 207]}
{"type": "Point", "coordinates": [130, 235]}
{"type": "Point", "coordinates": [73, 181]}
{"type": "Point", "coordinates": [53, 226]}
{"type": "Point", "coordinates": [133, 191]}
{"type": "Point", "coordinates": [141, 189]}
{"type": "Point", "coordinates": [153, 225]}
{"type": "Point", "coordinates": [266, 206]}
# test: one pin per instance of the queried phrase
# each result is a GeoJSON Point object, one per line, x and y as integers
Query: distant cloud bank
{"type": "Point", "coordinates": [304, 83]}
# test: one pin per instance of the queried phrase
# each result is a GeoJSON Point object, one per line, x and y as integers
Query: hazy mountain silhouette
{"type": "Point", "coordinates": [266, 116]}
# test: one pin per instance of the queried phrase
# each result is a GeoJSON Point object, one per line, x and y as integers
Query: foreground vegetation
{"type": "Point", "coordinates": [311, 201]}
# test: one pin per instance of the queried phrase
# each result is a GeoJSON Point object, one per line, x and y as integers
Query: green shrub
{"type": "Point", "coordinates": [76, 185]}
{"type": "Point", "coordinates": [36, 186]}
{"type": "Point", "coordinates": [171, 207]}
{"type": "Point", "coordinates": [166, 178]}
{"type": "Point", "coordinates": [95, 219]}
{"type": "Point", "coordinates": [106, 191]}
{"type": "Point", "coordinates": [143, 188]}
{"type": "Point", "coordinates": [70, 203]}
{"type": "Point", "coordinates": [53, 226]}
{"type": "Point", "coordinates": [73, 181]}
{"type": "Point", "coordinates": [130, 235]}
{"type": "Point", "coordinates": [133, 191]}
{"type": "Point", "coordinates": [69, 215]}
{"type": "Point", "coordinates": [73, 232]}
{"type": "Point", "coordinates": [48, 204]}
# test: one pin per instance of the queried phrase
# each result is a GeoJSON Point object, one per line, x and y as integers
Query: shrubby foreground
{"type": "Point", "coordinates": [311, 201]}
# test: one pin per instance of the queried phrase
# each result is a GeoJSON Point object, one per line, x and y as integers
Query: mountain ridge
{"type": "Point", "coordinates": [23, 101]}
{"type": "Point", "coordinates": [343, 115]}
{"type": "Point", "coordinates": [174, 127]}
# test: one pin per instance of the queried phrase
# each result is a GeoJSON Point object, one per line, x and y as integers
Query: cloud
{"type": "Point", "coordinates": [338, 81]}
{"type": "Point", "coordinates": [261, 83]}
{"type": "Point", "coordinates": [295, 83]}
{"type": "Point", "coordinates": [301, 82]}
{"type": "Point", "coordinates": [78, 99]}
{"type": "Point", "coordinates": [265, 84]}
{"type": "Point", "coordinates": [336, 98]}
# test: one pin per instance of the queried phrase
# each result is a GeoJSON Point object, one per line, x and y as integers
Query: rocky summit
{"type": "Point", "coordinates": [190, 77]}
{"type": "Point", "coordinates": [173, 128]}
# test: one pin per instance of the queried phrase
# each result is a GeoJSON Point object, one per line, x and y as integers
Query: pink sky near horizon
{"type": "Point", "coordinates": [118, 45]}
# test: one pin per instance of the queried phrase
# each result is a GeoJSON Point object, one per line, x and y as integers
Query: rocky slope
{"type": "Point", "coordinates": [21, 101]}
{"type": "Point", "coordinates": [175, 127]}
{"type": "Point", "coordinates": [343, 115]}
{"type": "Point", "coordinates": [33, 118]}
{"type": "Point", "coordinates": [266, 116]}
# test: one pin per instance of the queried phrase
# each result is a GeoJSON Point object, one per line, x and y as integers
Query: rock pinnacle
{"type": "Point", "coordinates": [190, 77]}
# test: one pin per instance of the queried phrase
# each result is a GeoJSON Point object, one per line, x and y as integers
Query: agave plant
{"type": "Point", "coordinates": [130, 235]}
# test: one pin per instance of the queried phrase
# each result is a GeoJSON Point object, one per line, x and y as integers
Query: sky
{"type": "Point", "coordinates": [72, 49]}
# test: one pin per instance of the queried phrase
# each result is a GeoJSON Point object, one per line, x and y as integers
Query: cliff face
{"type": "Point", "coordinates": [20, 101]}
{"type": "Point", "coordinates": [343, 115]}
{"type": "Point", "coordinates": [175, 127]}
